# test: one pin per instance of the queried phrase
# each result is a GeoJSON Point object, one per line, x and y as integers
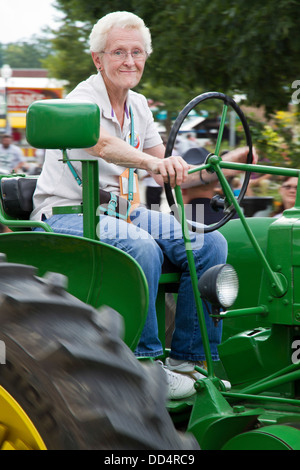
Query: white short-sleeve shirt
{"type": "Point", "coordinates": [56, 185]}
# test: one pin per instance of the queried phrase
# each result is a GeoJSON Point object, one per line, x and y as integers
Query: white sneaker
{"type": "Point", "coordinates": [188, 368]}
{"type": "Point", "coordinates": [185, 367]}
{"type": "Point", "coordinates": [179, 385]}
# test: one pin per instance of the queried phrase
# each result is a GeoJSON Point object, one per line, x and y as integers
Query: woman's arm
{"type": "Point", "coordinates": [114, 150]}
{"type": "Point", "coordinates": [172, 169]}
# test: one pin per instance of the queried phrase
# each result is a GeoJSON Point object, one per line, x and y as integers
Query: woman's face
{"type": "Point", "coordinates": [288, 192]}
{"type": "Point", "coordinates": [121, 73]}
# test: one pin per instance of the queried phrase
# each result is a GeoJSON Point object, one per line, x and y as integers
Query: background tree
{"type": "Point", "coordinates": [72, 61]}
{"type": "Point", "coordinates": [244, 47]}
{"type": "Point", "coordinates": [1, 55]}
{"type": "Point", "coordinates": [278, 142]}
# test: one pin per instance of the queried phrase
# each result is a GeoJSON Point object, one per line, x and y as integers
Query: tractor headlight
{"type": "Point", "coordinates": [219, 285]}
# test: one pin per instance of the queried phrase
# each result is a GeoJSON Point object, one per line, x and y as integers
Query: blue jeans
{"type": "Point", "coordinates": [151, 235]}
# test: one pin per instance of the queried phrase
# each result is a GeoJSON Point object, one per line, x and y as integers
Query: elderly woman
{"type": "Point", "coordinates": [120, 44]}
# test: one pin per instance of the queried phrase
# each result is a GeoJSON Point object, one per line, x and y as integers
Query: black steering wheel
{"type": "Point", "coordinates": [218, 203]}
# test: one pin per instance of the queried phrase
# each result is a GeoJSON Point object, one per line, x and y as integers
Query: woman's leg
{"type": "Point", "coordinates": [208, 250]}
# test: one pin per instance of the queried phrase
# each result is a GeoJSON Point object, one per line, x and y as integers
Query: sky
{"type": "Point", "coordinates": [20, 19]}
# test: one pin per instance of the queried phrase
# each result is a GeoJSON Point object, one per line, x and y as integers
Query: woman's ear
{"type": "Point", "coordinates": [97, 60]}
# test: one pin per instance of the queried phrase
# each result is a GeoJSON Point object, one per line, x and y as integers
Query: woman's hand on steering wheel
{"type": "Point", "coordinates": [174, 170]}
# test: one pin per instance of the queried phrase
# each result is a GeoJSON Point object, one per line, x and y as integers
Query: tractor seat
{"type": "Point", "coordinates": [16, 196]}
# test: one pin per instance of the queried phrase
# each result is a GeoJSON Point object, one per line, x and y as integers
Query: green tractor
{"type": "Point", "coordinates": [70, 322]}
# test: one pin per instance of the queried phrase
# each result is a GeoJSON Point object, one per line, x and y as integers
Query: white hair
{"type": "Point", "coordinates": [120, 19]}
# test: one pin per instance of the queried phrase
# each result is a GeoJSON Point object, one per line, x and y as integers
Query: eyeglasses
{"type": "Point", "coordinates": [288, 187]}
{"type": "Point", "coordinates": [121, 55]}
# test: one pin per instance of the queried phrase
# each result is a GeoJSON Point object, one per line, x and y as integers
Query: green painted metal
{"type": "Point", "coordinates": [264, 400]}
{"type": "Point", "coordinates": [277, 437]}
{"type": "Point", "coordinates": [278, 284]}
{"type": "Point", "coordinates": [263, 169]}
{"type": "Point", "coordinates": [98, 274]}
{"type": "Point", "coordinates": [264, 351]}
{"type": "Point", "coordinates": [194, 279]}
{"type": "Point", "coordinates": [198, 168]}
{"type": "Point", "coordinates": [62, 124]}
{"type": "Point", "coordinates": [261, 310]}
{"type": "Point", "coordinates": [268, 382]}
{"type": "Point", "coordinates": [21, 224]}
{"type": "Point", "coordinates": [221, 129]}
{"type": "Point", "coordinates": [213, 421]}
{"type": "Point", "coordinates": [242, 256]}
{"type": "Point", "coordinates": [67, 210]}
{"type": "Point", "coordinates": [90, 198]}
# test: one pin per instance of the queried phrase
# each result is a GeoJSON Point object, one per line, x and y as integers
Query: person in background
{"type": "Point", "coordinates": [11, 156]}
{"type": "Point", "coordinates": [185, 142]}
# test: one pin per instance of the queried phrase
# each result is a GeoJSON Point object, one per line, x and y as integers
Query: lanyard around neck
{"type": "Point", "coordinates": [131, 170]}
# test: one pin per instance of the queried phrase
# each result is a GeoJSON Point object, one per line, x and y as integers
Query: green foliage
{"type": "Point", "coordinates": [2, 62]}
{"type": "Point", "coordinates": [232, 47]}
{"type": "Point", "coordinates": [278, 143]}
{"type": "Point", "coordinates": [221, 45]}
{"type": "Point", "coordinates": [72, 62]}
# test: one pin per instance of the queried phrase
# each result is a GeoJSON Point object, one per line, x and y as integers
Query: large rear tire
{"type": "Point", "coordinates": [69, 371]}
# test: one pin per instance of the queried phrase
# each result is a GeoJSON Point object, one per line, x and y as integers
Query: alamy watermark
{"type": "Point", "coordinates": [296, 94]}
{"type": "Point", "coordinates": [158, 225]}
{"type": "Point", "coordinates": [2, 353]}
{"type": "Point", "coordinates": [296, 353]}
